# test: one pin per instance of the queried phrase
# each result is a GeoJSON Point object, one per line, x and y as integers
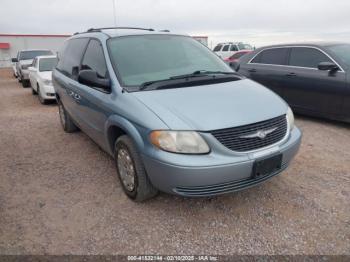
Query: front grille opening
{"type": "Point", "coordinates": [236, 138]}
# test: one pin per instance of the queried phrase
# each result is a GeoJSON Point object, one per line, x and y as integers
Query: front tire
{"type": "Point", "coordinates": [131, 171]}
{"type": "Point", "coordinates": [41, 99]}
{"type": "Point", "coordinates": [66, 121]}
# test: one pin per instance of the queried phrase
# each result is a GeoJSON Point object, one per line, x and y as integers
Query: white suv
{"type": "Point", "coordinates": [225, 50]}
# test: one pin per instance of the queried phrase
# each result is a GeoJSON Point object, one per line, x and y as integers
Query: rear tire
{"type": "Point", "coordinates": [127, 158]}
{"type": "Point", "coordinates": [25, 83]}
{"type": "Point", "coordinates": [66, 121]}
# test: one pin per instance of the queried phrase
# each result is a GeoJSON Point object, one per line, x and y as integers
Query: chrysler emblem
{"type": "Point", "coordinates": [260, 133]}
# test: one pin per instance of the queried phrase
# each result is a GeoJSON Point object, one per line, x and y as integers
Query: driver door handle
{"type": "Point", "coordinates": [252, 70]}
{"type": "Point", "coordinates": [291, 74]}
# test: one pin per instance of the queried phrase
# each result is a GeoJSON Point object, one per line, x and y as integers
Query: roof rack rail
{"type": "Point", "coordinates": [119, 27]}
{"type": "Point", "coordinates": [164, 30]}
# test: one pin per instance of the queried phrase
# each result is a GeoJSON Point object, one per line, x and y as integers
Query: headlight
{"type": "Point", "coordinates": [25, 66]}
{"type": "Point", "coordinates": [290, 118]}
{"type": "Point", "coordinates": [185, 142]}
{"type": "Point", "coordinates": [47, 82]}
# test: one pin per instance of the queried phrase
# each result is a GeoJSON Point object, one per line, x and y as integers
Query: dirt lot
{"type": "Point", "coordinates": [59, 195]}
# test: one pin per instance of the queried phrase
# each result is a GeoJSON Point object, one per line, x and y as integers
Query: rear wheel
{"type": "Point", "coordinates": [131, 171]}
{"type": "Point", "coordinates": [25, 83]}
{"type": "Point", "coordinates": [65, 119]}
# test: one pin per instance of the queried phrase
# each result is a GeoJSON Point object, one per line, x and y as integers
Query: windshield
{"type": "Point", "coordinates": [342, 52]}
{"type": "Point", "coordinates": [28, 55]}
{"type": "Point", "coordinates": [47, 64]}
{"type": "Point", "coordinates": [144, 58]}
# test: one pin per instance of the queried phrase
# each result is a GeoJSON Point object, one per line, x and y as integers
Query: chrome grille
{"type": "Point", "coordinates": [243, 138]}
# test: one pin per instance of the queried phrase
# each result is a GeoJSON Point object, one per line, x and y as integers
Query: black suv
{"type": "Point", "coordinates": [312, 78]}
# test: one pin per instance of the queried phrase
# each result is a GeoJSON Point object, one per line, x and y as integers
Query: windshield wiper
{"type": "Point", "coordinates": [199, 73]}
{"type": "Point", "coordinates": [203, 73]}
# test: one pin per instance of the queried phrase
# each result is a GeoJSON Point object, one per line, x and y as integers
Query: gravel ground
{"type": "Point", "coordinates": [59, 195]}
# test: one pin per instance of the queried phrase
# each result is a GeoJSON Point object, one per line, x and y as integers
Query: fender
{"type": "Point", "coordinates": [127, 127]}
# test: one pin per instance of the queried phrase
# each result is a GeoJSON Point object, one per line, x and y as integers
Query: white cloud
{"type": "Point", "coordinates": [256, 21]}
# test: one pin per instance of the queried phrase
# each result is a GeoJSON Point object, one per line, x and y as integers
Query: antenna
{"type": "Point", "coordinates": [114, 13]}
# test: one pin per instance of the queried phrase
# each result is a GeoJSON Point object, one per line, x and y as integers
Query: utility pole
{"type": "Point", "coordinates": [114, 13]}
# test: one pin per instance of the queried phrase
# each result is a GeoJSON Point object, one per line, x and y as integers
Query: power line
{"type": "Point", "coordinates": [114, 13]}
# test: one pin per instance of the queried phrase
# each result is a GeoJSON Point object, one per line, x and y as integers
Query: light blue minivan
{"type": "Point", "coordinates": [171, 113]}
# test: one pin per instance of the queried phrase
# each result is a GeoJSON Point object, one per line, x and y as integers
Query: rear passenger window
{"type": "Point", "coordinates": [226, 47]}
{"type": "Point", "coordinates": [233, 48]}
{"type": "Point", "coordinates": [307, 57]}
{"type": "Point", "coordinates": [94, 59]}
{"type": "Point", "coordinates": [69, 60]}
{"type": "Point", "coordinates": [217, 48]}
{"type": "Point", "coordinates": [275, 56]}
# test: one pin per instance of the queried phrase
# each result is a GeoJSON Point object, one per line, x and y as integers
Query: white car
{"type": "Point", "coordinates": [40, 76]}
{"type": "Point", "coordinates": [225, 50]}
{"type": "Point", "coordinates": [24, 60]}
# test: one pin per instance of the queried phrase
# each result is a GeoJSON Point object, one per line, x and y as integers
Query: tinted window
{"type": "Point", "coordinates": [28, 55]}
{"type": "Point", "coordinates": [94, 59]}
{"type": "Point", "coordinates": [144, 58]}
{"type": "Point", "coordinates": [47, 64]}
{"type": "Point", "coordinates": [276, 56]}
{"type": "Point", "coordinates": [70, 58]}
{"type": "Point", "coordinates": [238, 55]}
{"type": "Point", "coordinates": [233, 48]}
{"type": "Point", "coordinates": [226, 48]}
{"type": "Point", "coordinates": [217, 48]}
{"type": "Point", "coordinates": [307, 57]}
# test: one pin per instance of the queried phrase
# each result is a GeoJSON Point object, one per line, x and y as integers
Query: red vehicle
{"type": "Point", "coordinates": [237, 56]}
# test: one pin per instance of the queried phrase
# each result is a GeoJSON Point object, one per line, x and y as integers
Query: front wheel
{"type": "Point", "coordinates": [65, 119]}
{"type": "Point", "coordinates": [41, 99]}
{"type": "Point", "coordinates": [131, 171]}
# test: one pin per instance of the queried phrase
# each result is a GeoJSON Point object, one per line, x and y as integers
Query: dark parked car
{"type": "Point", "coordinates": [314, 79]}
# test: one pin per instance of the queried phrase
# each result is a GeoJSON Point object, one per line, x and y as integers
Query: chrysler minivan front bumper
{"type": "Point", "coordinates": [213, 174]}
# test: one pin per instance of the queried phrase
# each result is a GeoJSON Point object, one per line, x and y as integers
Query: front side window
{"type": "Point", "coordinates": [142, 58]}
{"type": "Point", "coordinates": [307, 57]}
{"type": "Point", "coordinates": [273, 56]}
{"type": "Point", "coordinates": [217, 48]}
{"type": "Point", "coordinates": [28, 55]}
{"type": "Point", "coordinates": [70, 58]}
{"type": "Point", "coordinates": [94, 59]}
{"type": "Point", "coordinates": [47, 64]}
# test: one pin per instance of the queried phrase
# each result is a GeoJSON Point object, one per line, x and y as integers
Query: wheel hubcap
{"type": "Point", "coordinates": [126, 169]}
{"type": "Point", "coordinates": [62, 114]}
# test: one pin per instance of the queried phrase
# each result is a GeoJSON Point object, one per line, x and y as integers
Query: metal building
{"type": "Point", "coordinates": [10, 44]}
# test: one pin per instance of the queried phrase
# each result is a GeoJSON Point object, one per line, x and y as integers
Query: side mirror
{"type": "Point", "coordinates": [234, 65]}
{"type": "Point", "coordinates": [90, 78]}
{"type": "Point", "coordinates": [327, 66]}
{"type": "Point", "coordinates": [14, 60]}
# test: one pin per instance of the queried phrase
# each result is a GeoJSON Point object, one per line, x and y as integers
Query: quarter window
{"type": "Point", "coordinates": [70, 59]}
{"type": "Point", "coordinates": [217, 48]}
{"type": "Point", "coordinates": [275, 56]}
{"type": "Point", "coordinates": [226, 47]}
{"type": "Point", "coordinates": [94, 59]}
{"type": "Point", "coordinates": [307, 57]}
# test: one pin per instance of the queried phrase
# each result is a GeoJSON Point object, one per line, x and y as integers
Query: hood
{"type": "Point", "coordinates": [46, 75]}
{"type": "Point", "coordinates": [26, 62]}
{"type": "Point", "coordinates": [215, 106]}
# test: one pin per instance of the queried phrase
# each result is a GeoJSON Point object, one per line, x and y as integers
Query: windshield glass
{"type": "Point", "coordinates": [342, 52]}
{"type": "Point", "coordinates": [144, 58]}
{"type": "Point", "coordinates": [27, 55]}
{"type": "Point", "coordinates": [47, 64]}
